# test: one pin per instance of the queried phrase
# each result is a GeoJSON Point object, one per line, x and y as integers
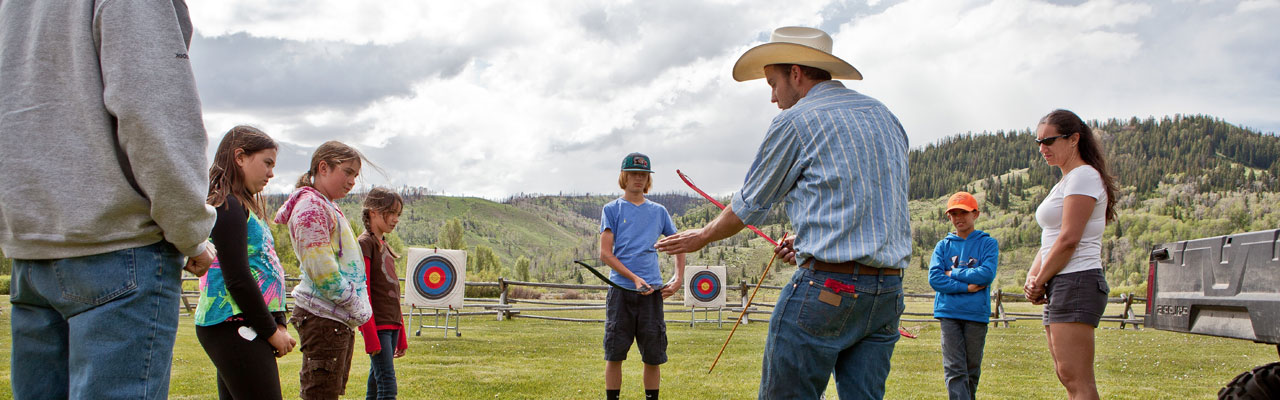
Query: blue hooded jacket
{"type": "Point", "coordinates": [972, 260]}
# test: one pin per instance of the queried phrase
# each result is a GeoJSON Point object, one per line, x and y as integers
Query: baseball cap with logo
{"type": "Point", "coordinates": [963, 201]}
{"type": "Point", "coordinates": [636, 162]}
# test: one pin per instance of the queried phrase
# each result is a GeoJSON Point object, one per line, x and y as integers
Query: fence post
{"type": "Point", "coordinates": [745, 317]}
{"type": "Point", "coordinates": [999, 310]}
{"type": "Point", "coordinates": [502, 299]}
{"type": "Point", "coordinates": [1128, 308]}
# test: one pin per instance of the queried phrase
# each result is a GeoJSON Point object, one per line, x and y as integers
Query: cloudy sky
{"type": "Point", "coordinates": [493, 98]}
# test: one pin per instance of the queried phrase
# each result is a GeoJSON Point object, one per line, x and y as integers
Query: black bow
{"type": "Point", "coordinates": [606, 279]}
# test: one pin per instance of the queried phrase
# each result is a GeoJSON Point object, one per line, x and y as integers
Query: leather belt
{"type": "Point", "coordinates": [849, 267]}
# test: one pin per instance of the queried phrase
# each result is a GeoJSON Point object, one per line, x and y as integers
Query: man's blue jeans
{"type": "Point", "coordinates": [809, 339]}
{"type": "Point", "coordinates": [962, 343]}
{"type": "Point", "coordinates": [382, 368]}
{"type": "Point", "coordinates": [96, 327]}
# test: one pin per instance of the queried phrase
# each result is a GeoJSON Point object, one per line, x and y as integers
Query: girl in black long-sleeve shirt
{"type": "Point", "coordinates": [240, 320]}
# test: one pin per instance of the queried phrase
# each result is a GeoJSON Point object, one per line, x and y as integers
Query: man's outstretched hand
{"type": "Point", "coordinates": [681, 243]}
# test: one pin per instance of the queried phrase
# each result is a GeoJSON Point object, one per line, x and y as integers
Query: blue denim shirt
{"type": "Point", "coordinates": [839, 160]}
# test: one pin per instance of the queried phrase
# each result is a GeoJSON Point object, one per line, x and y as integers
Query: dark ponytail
{"type": "Point", "coordinates": [1089, 148]}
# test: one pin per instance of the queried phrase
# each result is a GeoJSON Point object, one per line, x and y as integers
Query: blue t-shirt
{"type": "Point", "coordinates": [635, 230]}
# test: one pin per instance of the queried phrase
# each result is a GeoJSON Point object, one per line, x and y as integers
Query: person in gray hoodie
{"type": "Point", "coordinates": [102, 192]}
{"type": "Point", "coordinates": [961, 271]}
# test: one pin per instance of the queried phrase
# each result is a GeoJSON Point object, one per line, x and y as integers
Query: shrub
{"type": "Point", "coordinates": [521, 292]}
{"type": "Point", "coordinates": [482, 291]}
{"type": "Point", "coordinates": [4, 284]}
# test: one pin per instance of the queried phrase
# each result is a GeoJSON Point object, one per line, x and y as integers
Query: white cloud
{"type": "Point", "coordinates": [493, 98]}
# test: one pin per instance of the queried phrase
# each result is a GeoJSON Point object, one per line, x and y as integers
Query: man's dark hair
{"type": "Point", "coordinates": [816, 74]}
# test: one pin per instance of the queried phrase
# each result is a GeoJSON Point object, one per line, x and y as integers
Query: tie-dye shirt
{"type": "Point", "coordinates": [333, 280]}
{"type": "Point", "coordinates": [216, 305]}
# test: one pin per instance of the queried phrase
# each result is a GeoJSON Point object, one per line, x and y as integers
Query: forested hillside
{"type": "Point", "coordinates": [1207, 152]}
{"type": "Point", "coordinates": [1182, 177]}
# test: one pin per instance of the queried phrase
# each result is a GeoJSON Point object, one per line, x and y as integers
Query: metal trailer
{"type": "Point", "coordinates": [1224, 286]}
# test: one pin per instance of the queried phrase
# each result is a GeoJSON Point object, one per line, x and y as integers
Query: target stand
{"type": "Point", "coordinates": [434, 286]}
{"type": "Point", "coordinates": [704, 290]}
{"type": "Point", "coordinates": [424, 312]}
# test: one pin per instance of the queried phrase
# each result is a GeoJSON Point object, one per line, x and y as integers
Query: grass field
{"type": "Point", "coordinates": [535, 359]}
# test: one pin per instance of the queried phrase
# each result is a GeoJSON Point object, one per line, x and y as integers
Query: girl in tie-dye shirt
{"type": "Point", "coordinates": [331, 300]}
{"type": "Point", "coordinates": [240, 319]}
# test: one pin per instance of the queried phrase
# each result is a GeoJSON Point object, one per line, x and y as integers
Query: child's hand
{"type": "Point", "coordinates": [975, 288]}
{"type": "Point", "coordinates": [642, 286]}
{"type": "Point", "coordinates": [672, 287]}
{"type": "Point", "coordinates": [399, 353]}
{"type": "Point", "coordinates": [282, 341]}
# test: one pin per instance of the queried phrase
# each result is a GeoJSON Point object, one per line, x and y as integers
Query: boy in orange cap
{"type": "Point", "coordinates": [962, 268]}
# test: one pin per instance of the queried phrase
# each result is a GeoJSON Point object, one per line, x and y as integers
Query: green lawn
{"type": "Point", "coordinates": [535, 359]}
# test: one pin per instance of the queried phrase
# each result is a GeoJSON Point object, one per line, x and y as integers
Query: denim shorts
{"type": "Point", "coordinates": [1076, 297]}
{"type": "Point", "coordinates": [630, 316]}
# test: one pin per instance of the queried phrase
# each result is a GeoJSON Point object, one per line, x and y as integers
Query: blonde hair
{"type": "Point", "coordinates": [332, 153]}
{"type": "Point", "coordinates": [622, 181]}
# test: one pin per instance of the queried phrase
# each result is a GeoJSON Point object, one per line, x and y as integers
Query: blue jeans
{"type": "Point", "coordinates": [99, 326]}
{"type": "Point", "coordinates": [382, 369]}
{"type": "Point", "coordinates": [809, 339]}
{"type": "Point", "coordinates": [962, 343]}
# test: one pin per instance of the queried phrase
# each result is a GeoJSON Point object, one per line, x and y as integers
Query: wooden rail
{"type": "Point", "coordinates": [505, 307]}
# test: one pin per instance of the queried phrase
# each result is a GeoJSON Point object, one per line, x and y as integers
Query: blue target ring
{"type": "Point", "coordinates": [435, 277]}
{"type": "Point", "coordinates": [705, 286]}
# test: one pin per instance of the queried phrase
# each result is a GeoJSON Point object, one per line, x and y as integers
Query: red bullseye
{"type": "Point", "coordinates": [434, 277]}
{"type": "Point", "coordinates": [704, 287]}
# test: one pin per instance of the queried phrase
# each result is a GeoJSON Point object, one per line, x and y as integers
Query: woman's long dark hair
{"type": "Point", "coordinates": [1090, 149]}
{"type": "Point", "coordinates": [225, 176]}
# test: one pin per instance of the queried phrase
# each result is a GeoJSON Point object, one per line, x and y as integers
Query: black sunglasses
{"type": "Point", "coordinates": [1049, 140]}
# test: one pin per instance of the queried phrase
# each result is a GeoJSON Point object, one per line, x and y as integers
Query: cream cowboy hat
{"type": "Point", "coordinates": [794, 45]}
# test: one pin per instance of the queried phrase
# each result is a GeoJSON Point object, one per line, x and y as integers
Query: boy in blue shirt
{"type": "Point", "coordinates": [962, 268]}
{"type": "Point", "coordinates": [629, 227]}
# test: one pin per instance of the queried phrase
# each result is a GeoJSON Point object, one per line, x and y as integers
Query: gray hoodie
{"type": "Point", "coordinates": [77, 77]}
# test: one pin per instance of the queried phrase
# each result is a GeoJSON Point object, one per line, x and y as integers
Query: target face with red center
{"type": "Point", "coordinates": [706, 286]}
{"type": "Point", "coordinates": [435, 277]}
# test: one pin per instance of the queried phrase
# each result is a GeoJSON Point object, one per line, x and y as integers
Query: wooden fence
{"type": "Point", "coordinates": [505, 307]}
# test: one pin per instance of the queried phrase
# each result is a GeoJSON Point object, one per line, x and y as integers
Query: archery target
{"type": "Point", "coordinates": [704, 286]}
{"type": "Point", "coordinates": [436, 278]}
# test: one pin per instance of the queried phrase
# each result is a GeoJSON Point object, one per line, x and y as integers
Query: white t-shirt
{"type": "Point", "coordinates": [1084, 180]}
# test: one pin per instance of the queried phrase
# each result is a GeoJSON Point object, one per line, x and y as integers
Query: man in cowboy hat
{"type": "Point", "coordinates": [838, 159]}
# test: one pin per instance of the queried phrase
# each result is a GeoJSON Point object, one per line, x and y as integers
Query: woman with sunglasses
{"type": "Point", "coordinates": [1066, 275]}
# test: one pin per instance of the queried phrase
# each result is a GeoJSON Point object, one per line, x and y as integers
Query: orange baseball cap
{"type": "Point", "coordinates": [963, 201]}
